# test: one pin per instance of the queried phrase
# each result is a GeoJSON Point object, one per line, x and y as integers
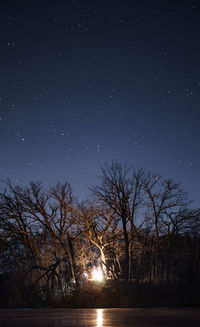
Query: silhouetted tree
{"type": "Point", "coordinates": [39, 230]}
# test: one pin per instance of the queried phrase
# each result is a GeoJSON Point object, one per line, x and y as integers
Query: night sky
{"type": "Point", "coordinates": [82, 83]}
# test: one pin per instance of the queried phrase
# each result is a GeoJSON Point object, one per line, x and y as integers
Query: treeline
{"type": "Point", "coordinates": [139, 227]}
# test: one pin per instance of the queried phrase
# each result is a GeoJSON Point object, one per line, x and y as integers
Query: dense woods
{"type": "Point", "coordinates": [138, 228]}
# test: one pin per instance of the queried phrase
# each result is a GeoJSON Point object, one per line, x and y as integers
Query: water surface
{"type": "Point", "coordinates": [100, 317]}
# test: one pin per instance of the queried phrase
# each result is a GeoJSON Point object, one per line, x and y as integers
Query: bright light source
{"type": "Point", "coordinates": [97, 274]}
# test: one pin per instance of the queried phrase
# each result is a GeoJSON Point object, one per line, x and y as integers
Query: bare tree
{"type": "Point", "coordinates": [42, 224]}
{"type": "Point", "coordinates": [165, 200]}
{"type": "Point", "coordinates": [99, 226]}
{"type": "Point", "coordinates": [120, 190]}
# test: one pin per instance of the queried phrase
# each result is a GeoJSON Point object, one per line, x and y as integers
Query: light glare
{"type": "Point", "coordinates": [97, 274]}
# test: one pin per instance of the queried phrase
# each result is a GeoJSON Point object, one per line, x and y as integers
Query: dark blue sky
{"type": "Point", "coordinates": [82, 83]}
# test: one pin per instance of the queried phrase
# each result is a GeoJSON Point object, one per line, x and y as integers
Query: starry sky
{"type": "Point", "coordinates": [85, 82]}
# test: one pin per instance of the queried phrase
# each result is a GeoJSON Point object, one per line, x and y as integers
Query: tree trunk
{"type": "Point", "coordinates": [73, 262]}
{"type": "Point", "coordinates": [126, 266]}
{"type": "Point", "coordinates": [103, 262]}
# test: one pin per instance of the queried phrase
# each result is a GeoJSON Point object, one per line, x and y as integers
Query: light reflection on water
{"type": "Point", "coordinates": [141, 317]}
{"type": "Point", "coordinates": [99, 317]}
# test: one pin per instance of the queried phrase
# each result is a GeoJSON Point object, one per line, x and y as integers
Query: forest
{"type": "Point", "coordinates": [134, 242]}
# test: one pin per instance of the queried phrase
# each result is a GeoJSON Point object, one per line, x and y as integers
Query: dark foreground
{"type": "Point", "coordinates": [154, 317]}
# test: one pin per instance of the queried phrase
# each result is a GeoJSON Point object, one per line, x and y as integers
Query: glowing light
{"type": "Point", "coordinates": [99, 317]}
{"type": "Point", "coordinates": [85, 275]}
{"type": "Point", "coordinates": [97, 274]}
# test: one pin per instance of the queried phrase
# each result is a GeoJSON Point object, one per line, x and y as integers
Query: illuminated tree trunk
{"type": "Point", "coordinates": [103, 262]}
{"type": "Point", "coordinates": [126, 266]}
{"type": "Point", "coordinates": [73, 262]}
